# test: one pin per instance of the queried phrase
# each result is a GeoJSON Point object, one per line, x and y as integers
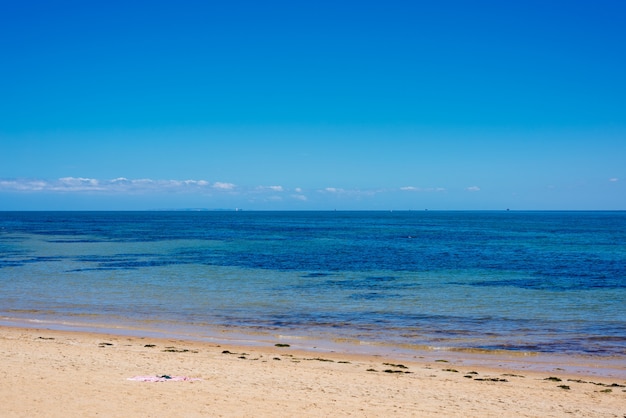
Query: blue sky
{"type": "Point", "coordinates": [312, 105]}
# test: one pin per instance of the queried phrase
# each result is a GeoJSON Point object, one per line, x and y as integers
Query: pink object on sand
{"type": "Point", "coordinates": [163, 378]}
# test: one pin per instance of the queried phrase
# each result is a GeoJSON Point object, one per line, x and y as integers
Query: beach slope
{"type": "Point", "coordinates": [49, 373]}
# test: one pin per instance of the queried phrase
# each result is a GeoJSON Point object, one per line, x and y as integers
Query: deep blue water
{"type": "Point", "coordinates": [552, 282]}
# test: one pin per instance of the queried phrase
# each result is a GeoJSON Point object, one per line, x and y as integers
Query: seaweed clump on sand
{"type": "Point", "coordinates": [178, 350]}
{"type": "Point", "coordinates": [490, 379]}
{"type": "Point", "coordinates": [399, 366]}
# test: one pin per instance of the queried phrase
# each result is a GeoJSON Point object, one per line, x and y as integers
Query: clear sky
{"type": "Point", "coordinates": [312, 104]}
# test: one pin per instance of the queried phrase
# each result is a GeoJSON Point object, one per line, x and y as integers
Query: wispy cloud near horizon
{"type": "Point", "coordinates": [141, 186]}
{"type": "Point", "coordinates": [138, 191]}
{"type": "Point", "coordinates": [422, 189]}
{"type": "Point", "coordinates": [271, 188]}
{"type": "Point", "coordinates": [115, 186]}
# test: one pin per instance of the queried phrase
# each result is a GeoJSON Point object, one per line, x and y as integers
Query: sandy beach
{"type": "Point", "coordinates": [47, 373]}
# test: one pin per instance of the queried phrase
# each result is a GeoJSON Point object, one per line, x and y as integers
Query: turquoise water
{"type": "Point", "coordinates": [546, 282]}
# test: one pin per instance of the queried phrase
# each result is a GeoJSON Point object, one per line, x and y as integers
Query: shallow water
{"type": "Point", "coordinates": [546, 282]}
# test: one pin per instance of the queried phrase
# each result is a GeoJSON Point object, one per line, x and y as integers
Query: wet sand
{"type": "Point", "coordinates": [49, 373]}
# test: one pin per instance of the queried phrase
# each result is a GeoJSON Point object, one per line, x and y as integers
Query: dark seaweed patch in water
{"type": "Point", "coordinates": [556, 283]}
{"type": "Point", "coordinates": [8, 238]}
{"type": "Point", "coordinates": [368, 283]}
{"type": "Point", "coordinates": [607, 338]}
{"type": "Point", "coordinates": [94, 258]}
{"type": "Point", "coordinates": [127, 261]}
{"type": "Point", "coordinates": [313, 275]}
{"type": "Point", "coordinates": [19, 262]}
{"type": "Point", "coordinates": [381, 278]}
{"type": "Point", "coordinates": [134, 264]}
{"type": "Point", "coordinates": [98, 259]}
{"type": "Point", "coordinates": [372, 296]}
{"type": "Point", "coordinates": [4, 264]}
{"type": "Point", "coordinates": [74, 241]}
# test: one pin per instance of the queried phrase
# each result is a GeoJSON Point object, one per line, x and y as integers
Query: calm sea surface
{"type": "Point", "coordinates": [547, 282]}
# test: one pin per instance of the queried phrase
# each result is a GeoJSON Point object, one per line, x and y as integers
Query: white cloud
{"type": "Point", "coordinates": [148, 186]}
{"type": "Point", "coordinates": [351, 193]}
{"type": "Point", "coordinates": [223, 186]}
{"type": "Point", "coordinates": [613, 179]}
{"type": "Point", "coordinates": [74, 181]}
{"type": "Point", "coordinates": [196, 182]}
{"type": "Point", "coordinates": [272, 188]}
{"type": "Point", "coordinates": [117, 185]}
{"type": "Point", "coordinates": [74, 184]}
{"type": "Point", "coordinates": [473, 189]}
{"type": "Point", "coordinates": [141, 181]}
{"type": "Point", "coordinates": [422, 189]}
{"type": "Point", "coordinates": [22, 185]}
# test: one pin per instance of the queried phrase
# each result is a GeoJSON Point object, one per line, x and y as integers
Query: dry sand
{"type": "Point", "coordinates": [49, 373]}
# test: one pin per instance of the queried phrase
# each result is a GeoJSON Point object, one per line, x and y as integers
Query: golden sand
{"type": "Point", "coordinates": [49, 373]}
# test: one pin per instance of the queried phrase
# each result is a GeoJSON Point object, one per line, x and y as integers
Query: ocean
{"type": "Point", "coordinates": [524, 282]}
